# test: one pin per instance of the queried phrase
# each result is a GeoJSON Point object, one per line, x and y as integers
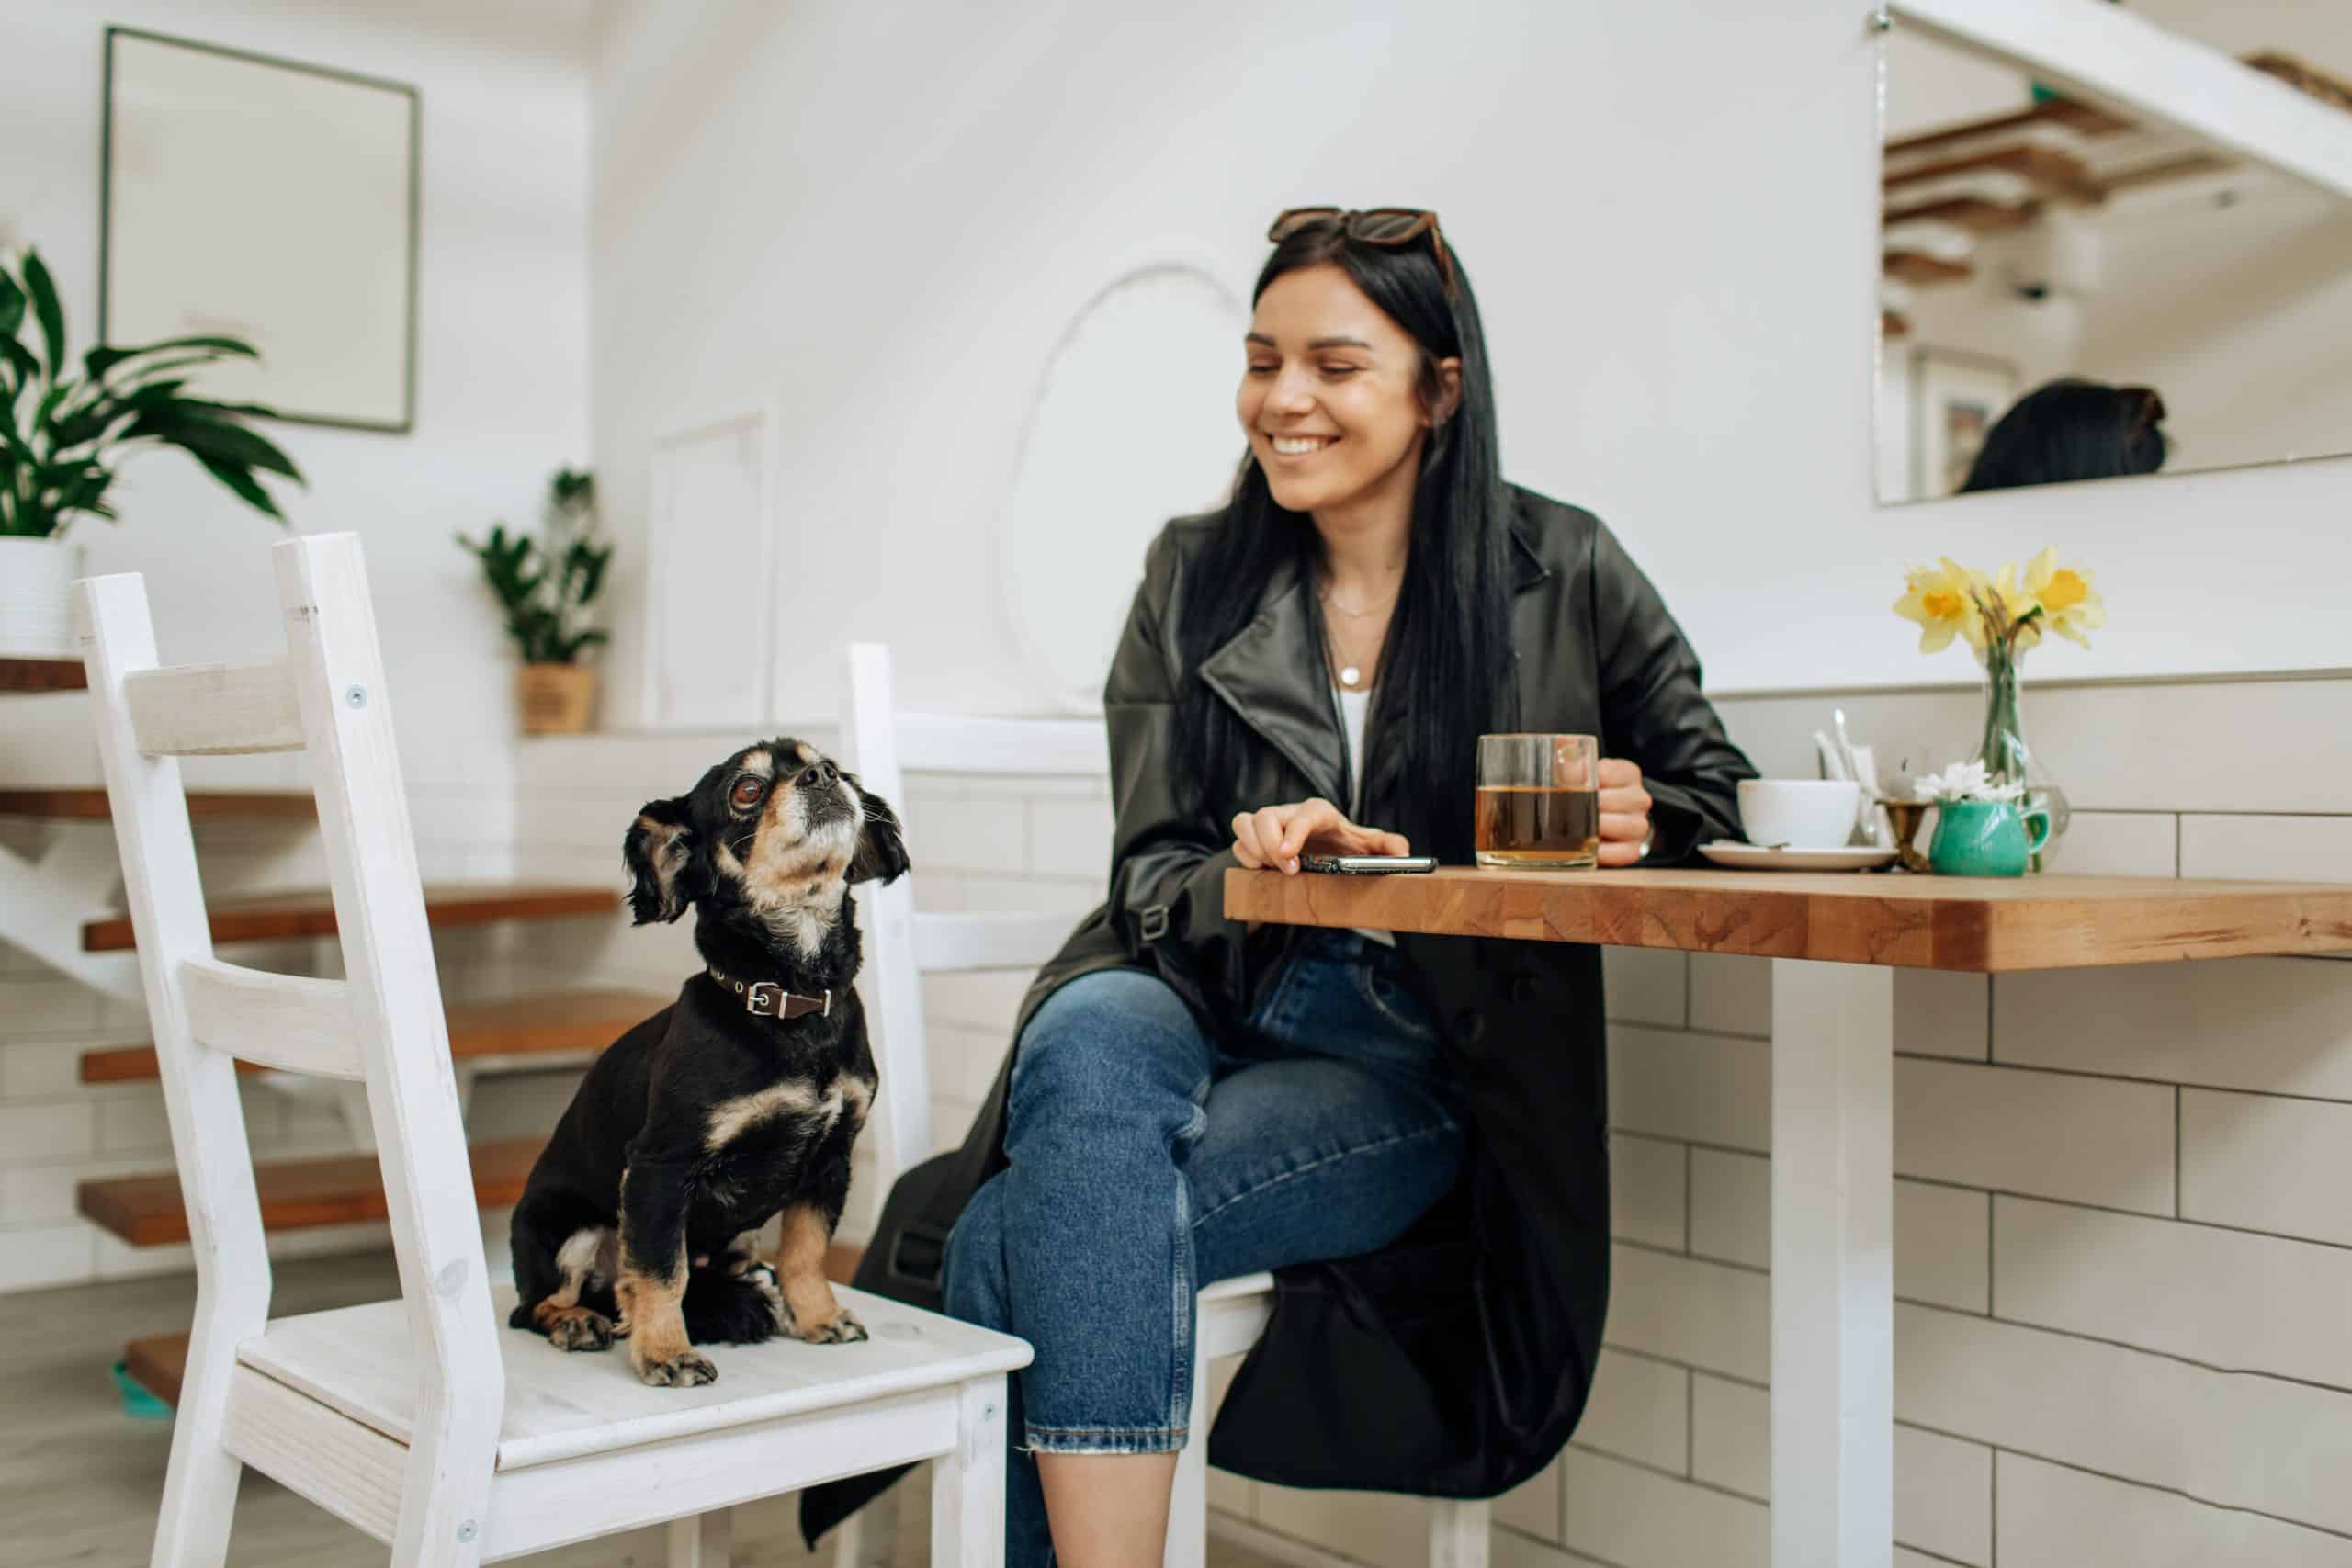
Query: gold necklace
{"type": "Point", "coordinates": [1334, 601]}
{"type": "Point", "coordinates": [1351, 671]}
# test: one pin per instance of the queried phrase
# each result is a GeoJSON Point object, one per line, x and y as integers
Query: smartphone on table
{"type": "Point", "coordinates": [1366, 865]}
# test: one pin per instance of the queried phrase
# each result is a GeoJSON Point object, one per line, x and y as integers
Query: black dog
{"type": "Point", "coordinates": [738, 1101]}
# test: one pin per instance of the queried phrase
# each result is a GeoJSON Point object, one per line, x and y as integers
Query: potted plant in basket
{"type": "Point", "coordinates": [65, 436]}
{"type": "Point", "coordinates": [546, 586]}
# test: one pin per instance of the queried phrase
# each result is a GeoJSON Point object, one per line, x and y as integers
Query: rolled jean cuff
{"type": "Point", "coordinates": [1105, 1440]}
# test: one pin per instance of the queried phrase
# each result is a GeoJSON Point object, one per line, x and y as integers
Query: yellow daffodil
{"type": "Point", "coordinates": [2013, 606]}
{"type": "Point", "coordinates": [2070, 605]}
{"type": "Point", "coordinates": [1943, 600]}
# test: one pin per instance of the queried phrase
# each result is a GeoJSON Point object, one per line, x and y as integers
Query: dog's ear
{"type": "Point", "coordinates": [658, 850]}
{"type": "Point", "coordinates": [881, 852]}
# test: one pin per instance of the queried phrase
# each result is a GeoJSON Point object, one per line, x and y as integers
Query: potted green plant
{"type": "Point", "coordinates": [65, 436]}
{"type": "Point", "coordinates": [546, 585]}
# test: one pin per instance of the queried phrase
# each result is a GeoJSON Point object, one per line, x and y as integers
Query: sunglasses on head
{"type": "Point", "coordinates": [1393, 227]}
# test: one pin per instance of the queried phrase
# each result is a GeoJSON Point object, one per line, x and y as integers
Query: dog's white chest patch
{"type": "Point", "coordinates": [729, 1118]}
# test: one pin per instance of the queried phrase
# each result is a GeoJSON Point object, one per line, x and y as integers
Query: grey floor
{"type": "Point", "coordinates": [80, 1479]}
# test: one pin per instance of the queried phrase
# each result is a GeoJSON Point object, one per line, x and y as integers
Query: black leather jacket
{"type": "Point", "coordinates": [1456, 1361]}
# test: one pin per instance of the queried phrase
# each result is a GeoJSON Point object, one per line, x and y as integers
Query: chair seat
{"type": "Point", "coordinates": [563, 1405]}
{"type": "Point", "coordinates": [1239, 1288]}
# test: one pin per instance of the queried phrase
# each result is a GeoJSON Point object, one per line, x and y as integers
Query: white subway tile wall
{"type": "Point", "coordinates": [2121, 1233]}
{"type": "Point", "coordinates": [2119, 843]}
{"type": "Point", "coordinates": [2268, 848]}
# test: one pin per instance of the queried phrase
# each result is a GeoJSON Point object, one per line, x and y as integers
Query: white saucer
{"type": "Point", "coordinates": [1748, 857]}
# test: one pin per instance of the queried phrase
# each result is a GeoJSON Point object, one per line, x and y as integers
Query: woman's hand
{"type": "Point", "coordinates": [1624, 813]}
{"type": "Point", "coordinates": [1277, 835]}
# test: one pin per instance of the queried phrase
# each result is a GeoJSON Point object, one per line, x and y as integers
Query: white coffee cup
{"type": "Point", "coordinates": [1803, 814]}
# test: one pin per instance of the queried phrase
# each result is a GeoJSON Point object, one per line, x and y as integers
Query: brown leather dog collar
{"type": "Point", "coordinates": [765, 998]}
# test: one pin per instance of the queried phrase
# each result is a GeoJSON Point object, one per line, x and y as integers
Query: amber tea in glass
{"type": "Point", "coordinates": [1539, 800]}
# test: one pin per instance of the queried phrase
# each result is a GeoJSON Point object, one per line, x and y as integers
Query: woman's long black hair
{"type": "Point", "coordinates": [2068, 430]}
{"type": "Point", "coordinates": [1446, 667]}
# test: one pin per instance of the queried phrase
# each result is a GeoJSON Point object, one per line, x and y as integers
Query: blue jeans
{"type": "Point", "coordinates": [1147, 1161]}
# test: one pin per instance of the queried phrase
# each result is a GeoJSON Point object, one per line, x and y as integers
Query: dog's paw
{"type": "Point", "coordinates": [687, 1368]}
{"type": "Point", "coordinates": [762, 1277]}
{"type": "Point", "coordinates": [580, 1329]}
{"type": "Point", "coordinates": [844, 1329]}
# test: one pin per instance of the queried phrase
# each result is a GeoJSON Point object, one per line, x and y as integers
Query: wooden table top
{"type": "Point", "coordinates": [1977, 925]}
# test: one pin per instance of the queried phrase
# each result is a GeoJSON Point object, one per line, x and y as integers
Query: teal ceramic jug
{"type": "Point", "coordinates": [1986, 838]}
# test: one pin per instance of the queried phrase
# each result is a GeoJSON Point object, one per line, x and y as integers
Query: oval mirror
{"type": "Point", "coordinates": [1132, 423]}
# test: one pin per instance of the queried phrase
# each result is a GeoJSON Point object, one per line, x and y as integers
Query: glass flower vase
{"type": "Point", "coordinates": [2003, 749]}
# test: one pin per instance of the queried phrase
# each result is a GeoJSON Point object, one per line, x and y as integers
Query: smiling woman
{"type": "Point", "coordinates": [1190, 1100]}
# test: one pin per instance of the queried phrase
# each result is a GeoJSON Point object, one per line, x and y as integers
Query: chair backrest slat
{"type": "Point", "coordinates": [1050, 747]}
{"type": "Point", "coordinates": [209, 709]}
{"type": "Point", "coordinates": [293, 1023]}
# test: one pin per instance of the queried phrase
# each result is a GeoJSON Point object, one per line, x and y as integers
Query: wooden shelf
{"type": "Point", "coordinates": [158, 1364]}
{"type": "Point", "coordinates": [1971, 925]}
{"type": "Point", "coordinates": [81, 805]}
{"type": "Point", "coordinates": [2053, 173]}
{"type": "Point", "coordinates": [1973, 213]}
{"type": "Point", "coordinates": [160, 1361]}
{"type": "Point", "coordinates": [296, 1194]}
{"type": "Point", "coordinates": [562, 1024]}
{"type": "Point", "coordinates": [2079, 118]}
{"type": "Point", "coordinates": [274, 916]}
{"type": "Point", "coordinates": [1917, 267]}
{"type": "Point", "coordinates": [42, 676]}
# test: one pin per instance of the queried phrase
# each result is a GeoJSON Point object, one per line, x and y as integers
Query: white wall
{"type": "Point", "coordinates": [502, 400]}
{"type": "Point", "coordinates": [502, 359]}
{"type": "Point", "coordinates": [1670, 211]}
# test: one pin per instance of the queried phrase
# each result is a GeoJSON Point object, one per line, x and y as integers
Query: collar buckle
{"type": "Point", "coordinates": [765, 998]}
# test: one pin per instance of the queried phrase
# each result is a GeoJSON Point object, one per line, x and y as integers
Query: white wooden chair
{"type": "Point", "coordinates": [882, 744]}
{"type": "Point", "coordinates": [422, 1420]}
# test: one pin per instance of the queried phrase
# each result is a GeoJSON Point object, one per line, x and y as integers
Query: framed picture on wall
{"type": "Point", "coordinates": [1955, 398]}
{"type": "Point", "coordinates": [266, 201]}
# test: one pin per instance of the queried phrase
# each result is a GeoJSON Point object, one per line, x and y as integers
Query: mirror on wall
{"type": "Point", "coordinates": [2069, 291]}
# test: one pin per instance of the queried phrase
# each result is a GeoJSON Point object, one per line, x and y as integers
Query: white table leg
{"type": "Point", "coordinates": [1833, 1265]}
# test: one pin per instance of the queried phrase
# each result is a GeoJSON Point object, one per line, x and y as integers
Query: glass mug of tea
{"type": "Point", "coordinates": [1539, 800]}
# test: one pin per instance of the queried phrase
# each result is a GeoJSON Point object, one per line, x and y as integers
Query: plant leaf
{"type": "Point", "coordinates": [106, 357]}
{"type": "Point", "coordinates": [567, 651]}
{"type": "Point", "coordinates": [145, 373]}
{"type": "Point", "coordinates": [170, 421]}
{"type": "Point", "coordinates": [211, 410]}
{"type": "Point", "coordinates": [21, 358]}
{"type": "Point", "coordinates": [45, 306]}
{"type": "Point", "coordinates": [241, 481]}
{"type": "Point", "coordinates": [77, 426]}
{"type": "Point", "coordinates": [12, 304]}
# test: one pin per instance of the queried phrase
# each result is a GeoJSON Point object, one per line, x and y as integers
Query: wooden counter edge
{"type": "Point", "coordinates": [1957, 925]}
